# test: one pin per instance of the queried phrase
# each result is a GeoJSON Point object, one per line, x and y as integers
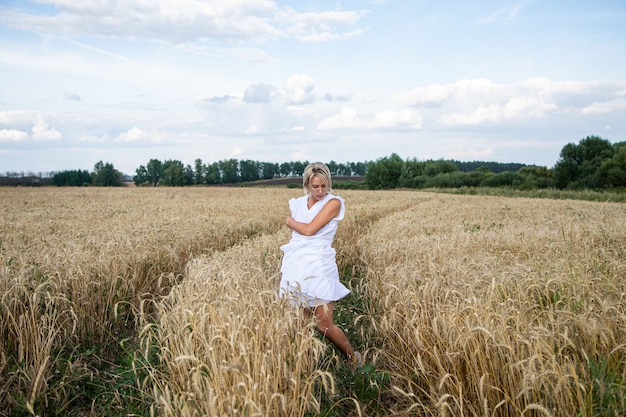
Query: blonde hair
{"type": "Point", "coordinates": [316, 169]}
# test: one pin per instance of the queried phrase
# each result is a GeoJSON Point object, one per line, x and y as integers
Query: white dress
{"type": "Point", "coordinates": [309, 269]}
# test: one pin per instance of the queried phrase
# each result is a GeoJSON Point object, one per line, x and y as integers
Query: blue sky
{"type": "Point", "coordinates": [125, 81]}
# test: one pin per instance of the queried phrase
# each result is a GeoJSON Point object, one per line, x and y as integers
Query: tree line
{"type": "Point", "coordinates": [229, 171]}
{"type": "Point", "coordinates": [103, 175]}
{"type": "Point", "coordinates": [593, 163]}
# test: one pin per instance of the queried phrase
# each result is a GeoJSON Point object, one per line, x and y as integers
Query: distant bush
{"type": "Point", "coordinates": [21, 180]}
{"type": "Point", "coordinates": [505, 179]}
{"type": "Point", "coordinates": [615, 196]}
{"type": "Point", "coordinates": [349, 185]}
{"type": "Point", "coordinates": [448, 180]}
{"type": "Point", "coordinates": [72, 178]}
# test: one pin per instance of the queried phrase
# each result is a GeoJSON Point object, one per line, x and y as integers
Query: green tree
{"type": "Point", "coordinates": [173, 174]}
{"type": "Point", "coordinates": [212, 174]}
{"type": "Point", "coordinates": [269, 170]}
{"type": "Point", "coordinates": [72, 178]}
{"type": "Point", "coordinates": [476, 177]}
{"type": "Point", "coordinates": [536, 176]}
{"type": "Point", "coordinates": [229, 169]}
{"type": "Point", "coordinates": [332, 167]}
{"type": "Point", "coordinates": [455, 179]}
{"type": "Point", "coordinates": [579, 165]}
{"type": "Point", "coordinates": [344, 169]}
{"type": "Point", "coordinates": [432, 168]}
{"type": "Point", "coordinates": [412, 170]}
{"type": "Point", "coordinates": [189, 175]}
{"type": "Point", "coordinates": [297, 168]}
{"type": "Point", "coordinates": [199, 173]}
{"type": "Point", "coordinates": [248, 170]}
{"type": "Point", "coordinates": [285, 169]}
{"type": "Point", "coordinates": [154, 171]}
{"type": "Point", "coordinates": [105, 175]}
{"type": "Point", "coordinates": [505, 179]}
{"type": "Point", "coordinates": [141, 175]}
{"type": "Point", "coordinates": [495, 167]}
{"type": "Point", "coordinates": [384, 173]}
{"type": "Point", "coordinates": [358, 168]}
{"type": "Point", "coordinates": [614, 170]}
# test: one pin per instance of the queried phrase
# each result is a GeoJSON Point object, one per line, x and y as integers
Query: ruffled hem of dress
{"type": "Point", "coordinates": [316, 289]}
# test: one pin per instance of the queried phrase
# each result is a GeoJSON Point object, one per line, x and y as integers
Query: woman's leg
{"type": "Point", "coordinates": [324, 317]}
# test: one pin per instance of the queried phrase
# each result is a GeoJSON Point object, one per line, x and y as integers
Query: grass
{"type": "Point", "coordinates": [163, 302]}
{"type": "Point", "coordinates": [609, 387]}
{"type": "Point", "coordinates": [615, 196]}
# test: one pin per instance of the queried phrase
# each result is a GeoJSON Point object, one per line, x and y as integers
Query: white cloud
{"type": "Point", "coordinates": [432, 94]}
{"type": "Point", "coordinates": [605, 107]}
{"type": "Point", "coordinates": [259, 93]}
{"type": "Point", "coordinates": [12, 135]}
{"type": "Point", "coordinates": [235, 152]}
{"type": "Point", "coordinates": [527, 106]}
{"type": "Point", "coordinates": [71, 96]}
{"type": "Point", "coordinates": [393, 118]}
{"type": "Point", "coordinates": [337, 97]}
{"type": "Point", "coordinates": [504, 14]}
{"type": "Point", "coordinates": [467, 102]}
{"type": "Point", "coordinates": [94, 139]}
{"type": "Point", "coordinates": [475, 101]}
{"type": "Point", "coordinates": [349, 118]}
{"type": "Point", "coordinates": [515, 108]}
{"type": "Point", "coordinates": [233, 20]}
{"type": "Point", "coordinates": [14, 117]}
{"type": "Point", "coordinates": [346, 118]}
{"type": "Point", "coordinates": [42, 131]}
{"type": "Point", "coordinates": [133, 135]}
{"type": "Point", "coordinates": [330, 36]}
{"type": "Point", "coordinates": [225, 99]}
{"type": "Point", "coordinates": [321, 26]}
{"type": "Point", "coordinates": [300, 88]}
{"type": "Point", "coordinates": [245, 54]}
{"type": "Point", "coordinates": [440, 93]}
{"type": "Point", "coordinates": [470, 154]}
{"type": "Point", "coordinates": [299, 111]}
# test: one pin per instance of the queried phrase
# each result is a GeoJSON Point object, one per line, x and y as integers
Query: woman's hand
{"type": "Point", "coordinates": [329, 212]}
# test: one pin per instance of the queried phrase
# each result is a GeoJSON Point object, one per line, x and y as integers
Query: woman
{"type": "Point", "coordinates": [310, 278]}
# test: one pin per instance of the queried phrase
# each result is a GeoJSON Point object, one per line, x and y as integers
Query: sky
{"type": "Point", "coordinates": [126, 81]}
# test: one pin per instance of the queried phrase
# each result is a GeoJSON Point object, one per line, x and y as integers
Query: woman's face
{"type": "Point", "coordinates": [317, 188]}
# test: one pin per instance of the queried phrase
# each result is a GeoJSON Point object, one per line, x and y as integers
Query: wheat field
{"type": "Point", "coordinates": [163, 301]}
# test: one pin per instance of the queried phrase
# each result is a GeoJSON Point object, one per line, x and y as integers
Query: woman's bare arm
{"type": "Point", "coordinates": [329, 212]}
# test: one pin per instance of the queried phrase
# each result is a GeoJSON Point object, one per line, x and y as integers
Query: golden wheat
{"type": "Point", "coordinates": [491, 306]}
{"type": "Point", "coordinates": [476, 306]}
{"type": "Point", "coordinates": [76, 263]}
